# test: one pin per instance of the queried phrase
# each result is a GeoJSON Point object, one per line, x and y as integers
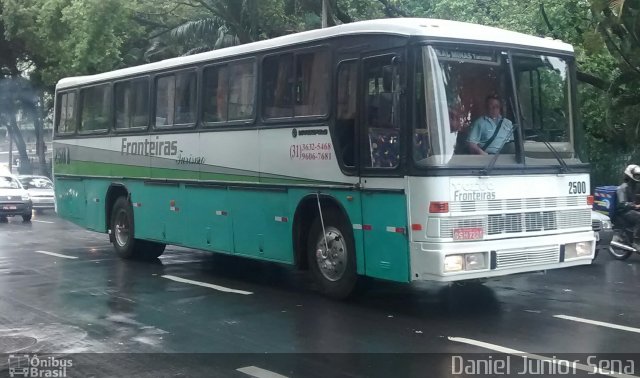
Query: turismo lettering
{"type": "Point", "coordinates": [190, 159]}
{"type": "Point", "coordinates": [150, 147]}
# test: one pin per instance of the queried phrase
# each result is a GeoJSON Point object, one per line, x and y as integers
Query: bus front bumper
{"type": "Point", "coordinates": [493, 258]}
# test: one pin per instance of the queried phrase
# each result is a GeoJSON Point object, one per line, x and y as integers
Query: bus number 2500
{"type": "Point", "coordinates": [577, 187]}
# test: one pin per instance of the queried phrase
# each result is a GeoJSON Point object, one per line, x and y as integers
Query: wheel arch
{"type": "Point", "coordinates": [115, 191]}
{"type": "Point", "coordinates": [306, 212]}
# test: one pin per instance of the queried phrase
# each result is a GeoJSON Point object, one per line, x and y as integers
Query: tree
{"type": "Point", "coordinates": [63, 37]}
{"type": "Point", "coordinates": [11, 53]}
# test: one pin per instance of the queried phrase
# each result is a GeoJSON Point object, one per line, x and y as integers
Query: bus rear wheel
{"type": "Point", "coordinates": [122, 228]}
{"type": "Point", "coordinates": [331, 255]}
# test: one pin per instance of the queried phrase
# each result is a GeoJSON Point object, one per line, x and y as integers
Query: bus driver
{"type": "Point", "coordinates": [488, 133]}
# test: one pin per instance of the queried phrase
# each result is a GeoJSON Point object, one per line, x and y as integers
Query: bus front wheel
{"type": "Point", "coordinates": [122, 229]}
{"type": "Point", "coordinates": [331, 254]}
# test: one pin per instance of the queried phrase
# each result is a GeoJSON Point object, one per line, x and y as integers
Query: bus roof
{"type": "Point", "coordinates": [437, 29]}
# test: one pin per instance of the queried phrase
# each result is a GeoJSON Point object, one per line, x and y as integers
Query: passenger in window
{"type": "Point", "coordinates": [459, 124]}
{"type": "Point", "coordinates": [491, 131]}
{"type": "Point", "coordinates": [385, 149]}
{"type": "Point", "coordinates": [421, 144]}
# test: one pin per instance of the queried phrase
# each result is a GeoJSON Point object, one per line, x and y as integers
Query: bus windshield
{"type": "Point", "coordinates": [465, 111]}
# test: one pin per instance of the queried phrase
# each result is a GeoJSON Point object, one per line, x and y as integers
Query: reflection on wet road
{"type": "Point", "coordinates": [62, 290]}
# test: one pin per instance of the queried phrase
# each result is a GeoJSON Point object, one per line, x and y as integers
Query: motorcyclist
{"type": "Point", "coordinates": [626, 207]}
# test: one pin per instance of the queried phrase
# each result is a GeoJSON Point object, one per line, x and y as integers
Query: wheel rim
{"type": "Point", "coordinates": [122, 228]}
{"type": "Point", "coordinates": [331, 254]}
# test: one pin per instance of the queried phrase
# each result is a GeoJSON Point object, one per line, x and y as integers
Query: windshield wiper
{"type": "Point", "coordinates": [564, 168]}
{"type": "Point", "coordinates": [487, 170]}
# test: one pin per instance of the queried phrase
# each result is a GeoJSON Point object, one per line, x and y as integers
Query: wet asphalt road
{"type": "Point", "coordinates": [63, 291]}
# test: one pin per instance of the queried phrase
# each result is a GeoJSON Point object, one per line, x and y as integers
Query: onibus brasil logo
{"type": "Point", "coordinates": [25, 365]}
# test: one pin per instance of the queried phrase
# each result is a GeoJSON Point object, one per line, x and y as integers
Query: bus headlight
{"type": "Point", "coordinates": [574, 250]}
{"type": "Point", "coordinates": [453, 263]}
{"type": "Point", "coordinates": [467, 261]}
{"type": "Point", "coordinates": [583, 249]}
{"type": "Point", "coordinates": [475, 261]}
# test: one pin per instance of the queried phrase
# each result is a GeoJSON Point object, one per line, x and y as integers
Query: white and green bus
{"type": "Point", "coordinates": [342, 150]}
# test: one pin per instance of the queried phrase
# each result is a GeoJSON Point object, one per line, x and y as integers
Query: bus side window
{"type": "Point", "coordinates": [241, 90]}
{"type": "Point", "coordinates": [94, 108]}
{"type": "Point", "coordinates": [215, 93]}
{"type": "Point", "coordinates": [346, 111]}
{"type": "Point", "coordinates": [312, 84]}
{"type": "Point", "coordinates": [383, 136]}
{"type": "Point", "coordinates": [165, 94]}
{"type": "Point", "coordinates": [66, 115]}
{"type": "Point", "coordinates": [132, 104]}
{"type": "Point", "coordinates": [185, 100]}
{"type": "Point", "coordinates": [176, 99]}
{"type": "Point", "coordinates": [277, 86]}
{"type": "Point", "coordinates": [229, 92]}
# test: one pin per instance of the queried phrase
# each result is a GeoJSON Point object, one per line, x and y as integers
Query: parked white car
{"type": "Point", "coordinates": [40, 189]}
{"type": "Point", "coordinates": [14, 199]}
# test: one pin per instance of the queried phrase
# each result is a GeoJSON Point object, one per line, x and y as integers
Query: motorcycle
{"type": "Point", "coordinates": [622, 244]}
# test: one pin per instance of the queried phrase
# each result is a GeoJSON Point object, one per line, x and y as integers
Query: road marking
{"type": "Point", "coordinates": [39, 221]}
{"type": "Point", "coordinates": [598, 323]}
{"type": "Point", "coordinates": [204, 284]}
{"type": "Point", "coordinates": [257, 372]}
{"type": "Point", "coordinates": [593, 369]}
{"type": "Point", "coordinates": [57, 255]}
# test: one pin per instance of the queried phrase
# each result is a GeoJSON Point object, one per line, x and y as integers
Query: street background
{"type": "Point", "coordinates": [63, 291]}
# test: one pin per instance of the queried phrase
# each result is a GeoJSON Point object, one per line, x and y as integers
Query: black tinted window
{"type": "Point", "coordinates": [277, 86]}
{"type": "Point", "coordinates": [66, 121]}
{"type": "Point", "coordinates": [132, 104]}
{"type": "Point", "coordinates": [176, 99]}
{"type": "Point", "coordinates": [94, 108]}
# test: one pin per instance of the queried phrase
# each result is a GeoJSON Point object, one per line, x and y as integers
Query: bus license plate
{"type": "Point", "coordinates": [9, 208]}
{"type": "Point", "coordinates": [472, 233]}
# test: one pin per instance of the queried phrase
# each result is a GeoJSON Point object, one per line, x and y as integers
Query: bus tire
{"type": "Point", "coordinates": [150, 250]}
{"type": "Point", "coordinates": [123, 227]}
{"type": "Point", "coordinates": [334, 269]}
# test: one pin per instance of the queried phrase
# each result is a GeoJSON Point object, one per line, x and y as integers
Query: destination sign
{"type": "Point", "coordinates": [466, 56]}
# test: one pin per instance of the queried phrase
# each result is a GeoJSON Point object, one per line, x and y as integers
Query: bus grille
{"type": "Point", "coordinates": [515, 258]}
{"type": "Point", "coordinates": [518, 223]}
{"type": "Point", "coordinates": [515, 204]}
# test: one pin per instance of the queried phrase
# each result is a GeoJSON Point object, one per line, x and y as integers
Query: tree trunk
{"type": "Point", "coordinates": [25, 164]}
{"type": "Point", "coordinates": [40, 142]}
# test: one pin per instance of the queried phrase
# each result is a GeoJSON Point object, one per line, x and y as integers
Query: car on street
{"type": "Point", "coordinates": [40, 189]}
{"type": "Point", "coordinates": [14, 199]}
{"type": "Point", "coordinates": [603, 229]}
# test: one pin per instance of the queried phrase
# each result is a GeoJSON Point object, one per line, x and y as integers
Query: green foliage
{"type": "Point", "coordinates": [71, 37]}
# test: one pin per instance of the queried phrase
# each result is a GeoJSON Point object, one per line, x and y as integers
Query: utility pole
{"type": "Point", "coordinates": [10, 149]}
{"type": "Point", "coordinates": [325, 13]}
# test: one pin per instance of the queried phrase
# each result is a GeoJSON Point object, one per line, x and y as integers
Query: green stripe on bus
{"type": "Point", "coordinates": [85, 168]}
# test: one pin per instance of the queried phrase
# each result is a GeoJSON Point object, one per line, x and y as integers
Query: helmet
{"type": "Point", "coordinates": [633, 172]}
